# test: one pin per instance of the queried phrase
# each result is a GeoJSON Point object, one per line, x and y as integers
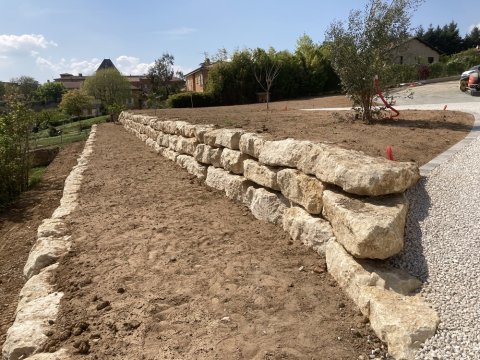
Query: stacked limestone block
{"type": "Point", "coordinates": [342, 203]}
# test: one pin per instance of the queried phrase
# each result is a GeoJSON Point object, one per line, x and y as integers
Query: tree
{"type": "Point", "coordinates": [3, 90]}
{"type": "Point", "coordinates": [15, 129]}
{"type": "Point", "coordinates": [360, 49]}
{"type": "Point", "coordinates": [161, 74]}
{"type": "Point", "coordinates": [108, 86]}
{"type": "Point", "coordinates": [472, 39]}
{"type": "Point", "coordinates": [26, 86]}
{"type": "Point", "coordinates": [265, 71]}
{"type": "Point", "coordinates": [50, 92]}
{"type": "Point", "coordinates": [74, 102]}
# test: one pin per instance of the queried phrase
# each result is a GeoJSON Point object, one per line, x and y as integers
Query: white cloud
{"type": "Point", "coordinates": [130, 65]}
{"type": "Point", "coordinates": [473, 26]}
{"type": "Point", "coordinates": [23, 43]}
{"type": "Point", "coordinates": [72, 66]}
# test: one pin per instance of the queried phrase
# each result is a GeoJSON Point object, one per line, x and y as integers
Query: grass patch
{"type": "Point", "coordinates": [35, 176]}
{"type": "Point", "coordinates": [71, 132]}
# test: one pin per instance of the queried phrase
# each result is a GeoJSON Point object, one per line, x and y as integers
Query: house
{"type": "Point", "coordinates": [197, 79]}
{"type": "Point", "coordinates": [140, 85]}
{"type": "Point", "coordinates": [415, 51]}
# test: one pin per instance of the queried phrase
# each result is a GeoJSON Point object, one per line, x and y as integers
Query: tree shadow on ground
{"type": "Point", "coordinates": [412, 258]}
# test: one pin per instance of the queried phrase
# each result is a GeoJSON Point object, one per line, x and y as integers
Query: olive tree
{"type": "Point", "coordinates": [74, 102]}
{"type": "Point", "coordinates": [361, 47]}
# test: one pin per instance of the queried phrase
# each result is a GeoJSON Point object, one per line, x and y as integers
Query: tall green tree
{"type": "Point", "coordinates": [473, 38]}
{"type": "Point", "coordinates": [74, 102]}
{"type": "Point", "coordinates": [26, 87]}
{"type": "Point", "coordinates": [15, 128]}
{"type": "Point", "coordinates": [108, 86]}
{"type": "Point", "coordinates": [360, 47]}
{"type": "Point", "coordinates": [160, 75]}
{"type": "Point", "coordinates": [50, 92]}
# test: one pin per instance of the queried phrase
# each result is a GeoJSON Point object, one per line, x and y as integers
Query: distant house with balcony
{"type": "Point", "coordinates": [140, 85]}
{"type": "Point", "coordinates": [196, 80]}
{"type": "Point", "coordinates": [415, 51]}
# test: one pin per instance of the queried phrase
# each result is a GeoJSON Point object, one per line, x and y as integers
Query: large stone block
{"type": "Point", "coordinates": [52, 227]}
{"type": "Point", "coordinates": [192, 166]}
{"type": "Point", "coordinates": [404, 321]}
{"type": "Point", "coordinates": [302, 189]}
{"type": "Point", "coordinates": [46, 251]}
{"type": "Point", "coordinates": [200, 130]}
{"type": "Point", "coordinates": [216, 178]}
{"type": "Point", "coordinates": [312, 231]}
{"type": "Point", "coordinates": [169, 127]}
{"type": "Point", "coordinates": [287, 152]}
{"type": "Point", "coordinates": [27, 334]}
{"type": "Point", "coordinates": [367, 227]}
{"type": "Point", "coordinates": [186, 145]}
{"type": "Point", "coordinates": [266, 206]}
{"type": "Point", "coordinates": [169, 154]}
{"type": "Point", "coordinates": [232, 160]}
{"type": "Point", "coordinates": [163, 139]}
{"type": "Point", "coordinates": [261, 174]}
{"type": "Point", "coordinates": [251, 144]}
{"type": "Point", "coordinates": [206, 154]}
{"type": "Point", "coordinates": [357, 173]}
{"type": "Point", "coordinates": [210, 136]}
{"type": "Point", "coordinates": [185, 129]}
{"type": "Point", "coordinates": [61, 354]}
{"type": "Point", "coordinates": [39, 285]}
{"type": "Point", "coordinates": [229, 138]}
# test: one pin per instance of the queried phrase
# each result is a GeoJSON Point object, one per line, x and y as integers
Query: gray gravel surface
{"type": "Point", "coordinates": [443, 250]}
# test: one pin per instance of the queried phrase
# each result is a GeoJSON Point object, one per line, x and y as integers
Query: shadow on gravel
{"type": "Point", "coordinates": [412, 258]}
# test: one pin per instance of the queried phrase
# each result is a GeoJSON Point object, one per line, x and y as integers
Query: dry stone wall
{"type": "Point", "coordinates": [342, 203]}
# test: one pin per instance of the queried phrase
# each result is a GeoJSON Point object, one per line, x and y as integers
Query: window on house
{"type": "Point", "coordinates": [401, 60]}
{"type": "Point", "coordinates": [200, 79]}
{"type": "Point", "coordinates": [430, 59]}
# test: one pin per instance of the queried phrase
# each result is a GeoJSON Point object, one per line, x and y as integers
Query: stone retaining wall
{"type": "Point", "coordinates": [342, 203]}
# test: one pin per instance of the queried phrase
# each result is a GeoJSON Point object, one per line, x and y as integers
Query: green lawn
{"type": "Point", "coordinates": [35, 175]}
{"type": "Point", "coordinates": [71, 132]}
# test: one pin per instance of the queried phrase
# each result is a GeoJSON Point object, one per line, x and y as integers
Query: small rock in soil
{"type": "Point", "coordinates": [131, 325]}
{"type": "Point", "coordinates": [120, 290]}
{"type": "Point", "coordinates": [82, 346]}
{"type": "Point", "coordinates": [103, 305]}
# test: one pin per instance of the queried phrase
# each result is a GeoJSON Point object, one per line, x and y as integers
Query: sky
{"type": "Point", "coordinates": [43, 38]}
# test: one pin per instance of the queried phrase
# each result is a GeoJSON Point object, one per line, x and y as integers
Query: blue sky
{"type": "Point", "coordinates": [43, 38]}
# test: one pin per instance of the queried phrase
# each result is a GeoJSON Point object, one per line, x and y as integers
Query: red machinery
{"type": "Point", "coordinates": [380, 95]}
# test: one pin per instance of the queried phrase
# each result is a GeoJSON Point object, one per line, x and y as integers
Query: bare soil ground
{"type": "Point", "coordinates": [18, 229]}
{"type": "Point", "coordinates": [164, 268]}
{"type": "Point", "coordinates": [414, 136]}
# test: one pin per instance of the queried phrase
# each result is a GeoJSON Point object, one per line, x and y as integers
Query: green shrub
{"type": "Point", "coordinates": [190, 99]}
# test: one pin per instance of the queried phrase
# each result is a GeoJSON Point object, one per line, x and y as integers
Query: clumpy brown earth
{"type": "Point", "coordinates": [162, 267]}
{"type": "Point", "coordinates": [414, 136]}
{"type": "Point", "coordinates": [18, 229]}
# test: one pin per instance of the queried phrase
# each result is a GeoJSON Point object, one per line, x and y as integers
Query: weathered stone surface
{"type": "Point", "coordinates": [186, 129]}
{"type": "Point", "coordinates": [61, 354]}
{"type": "Point", "coordinates": [46, 251]}
{"type": "Point", "coordinates": [169, 154]}
{"type": "Point", "coordinates": [206, 154]}
{"type": "Point", "coordinates": [172, 142]}
{"type": "Point", "coordinates": [232, 160]}
{"type": "Point", "coordinates": [180, 126]}
{"type": "Point", "coordinates": [312, 231]}
{"type": "Point", "coordinates": [357, 173]}
{"type": "Point", "coordinates": [251, 144]}
{"type": "Point", "coordinates": [402, 320]}
{"type": "Point", "coordinates": [267, 206]}
{"type": "Point", "coordinates": [52, 227]}
{"type": "Point", "coordinates": [302, 189]}
{"type": "Point", "coordinates": [39, 285]}
{"type": "Point", "coordinates": [216, 178]}
{"type": "Point", "coordinates": [367, 227]}
{"type": "Point", "coordinates": [261, 174]}
{"type": "Point", "coordinates": [229, 138]}
{"type": "Point", "coordinates": [287, 152]}
{"type": "Point", "coordinates": [26, 335]}
{"type": "Point", "coordinates": [151, 143]}
{"type": "Point", "coordinates": [186, 145]}
{"type": "Point", "coordinates": [192, 166]}
{"type": "Point", "coordinates": [200, 130]}
{"type": "Point", "coordinates": [169, 127]}
{"type": "Point", "coordinates": [163, 139]}
{"type": "Point", "coordinates": [210, 136]}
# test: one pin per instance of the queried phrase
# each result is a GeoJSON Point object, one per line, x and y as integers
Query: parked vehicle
{"type": "Point", "coordinates": [465, 77]}
{"type": "Point", "coordinates": [474, 81]}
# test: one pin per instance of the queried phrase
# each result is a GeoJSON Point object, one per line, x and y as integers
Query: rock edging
{"type": "Point", "coordinates": [38, 301]}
